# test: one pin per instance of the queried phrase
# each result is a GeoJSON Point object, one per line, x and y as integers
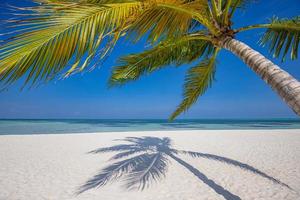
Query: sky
{"type": "Point", "coordinates": [237, 92]}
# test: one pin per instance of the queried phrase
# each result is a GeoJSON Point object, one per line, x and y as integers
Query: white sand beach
{"type": "Point", "coordinates": [237, 164]}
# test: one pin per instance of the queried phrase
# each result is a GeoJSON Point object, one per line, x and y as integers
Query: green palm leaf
{"type": "Point", "coordinates": [71, 33]}
{"type": "Point", "coordinates": [230, 6]}
{"type": "Point", "coordinates": [60, 33]}
{"type": "Point", "coordinates": [197, 80]}
{"type": "Point", "coordinates": [282, 36]}
{"type": "Point", "coordinates": [171, 18]}
{"type": "Point", "coordinates": [182, 50]}
{"type": "Point", "coordinates": [223, 10]}
{"type": "Point", "coordinates": [239, 3]}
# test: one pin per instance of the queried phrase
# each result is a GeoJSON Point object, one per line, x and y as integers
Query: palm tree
{"type": "Point", "coordinates": [148, 161]}
{"type": "Point", "coordinates": [63, 36]}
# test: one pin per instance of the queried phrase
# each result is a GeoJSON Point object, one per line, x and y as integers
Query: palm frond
{"type": "Point", "coordinates": [282, 36]}
{"type": "Point", "coordinates": [185, 49]}
{"type": "Point", "coordinates": [153, 168]}
{"type": "Point", "coordinates": [237, 4]}
{"type": "Point", "coordinates": [113, 172]}
{"type": "Point", "coordinates": [60, 33]}
{"type": "Point", "coordinates": [229, 7]}
{"type": "Point", "coordinates": [222, 11]}
{"type": "Point", "coordinates": [197, 80]}
{"type": "Point", "coordinates": [79, 1]}
{"type": "Point", "coordinates": [56, 1]}
{"type": "Point", "coordinates": [169, 18]}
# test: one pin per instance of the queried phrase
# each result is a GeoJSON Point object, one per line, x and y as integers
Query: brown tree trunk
{"type": "Point", "coordinates": [285, 85]}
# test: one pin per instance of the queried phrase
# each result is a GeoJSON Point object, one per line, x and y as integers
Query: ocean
{"type": "Point", "coordinates": [60, 126]}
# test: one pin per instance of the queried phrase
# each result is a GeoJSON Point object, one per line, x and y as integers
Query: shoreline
{"type": "Point", "coordinates": [169, 131]}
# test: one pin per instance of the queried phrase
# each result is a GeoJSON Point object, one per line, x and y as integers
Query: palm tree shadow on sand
{"type": "Point", "coordinates": [145, 159]}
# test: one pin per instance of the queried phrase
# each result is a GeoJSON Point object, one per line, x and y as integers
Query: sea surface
{"type": "Point", "coordinates": [53, 126]}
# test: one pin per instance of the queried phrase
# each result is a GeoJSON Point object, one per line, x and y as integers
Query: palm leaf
{"type": "Point", "coordinates": [62, 32]}
{"type": "Point", "coordinates": [223, 10]}
{"type": "Point", "coordinates": [234, 4]}
{"type": "Point", "coordinates": [182, 50]}
{"type": "Point", "coordinates": [197, 80]}
{"type": "Point", "coordinates": [57, 33]}
{"type": "Point", "coordinates": [239, 3]}
{"type": "Point", "coordinates": [229, 7]}
{"type": "Point", "coordinates": [170, 18]}
{"type": "Point", "coordinates": [282, 36]}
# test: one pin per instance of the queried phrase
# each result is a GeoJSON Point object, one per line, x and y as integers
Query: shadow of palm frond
{"type": "Point", "coordinates": [236, 163]}
{"type": "Point", "coordinates": [145, 159]}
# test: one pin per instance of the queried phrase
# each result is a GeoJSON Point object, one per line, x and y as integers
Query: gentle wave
{"type": "Point", "coordinates": [20, 127]}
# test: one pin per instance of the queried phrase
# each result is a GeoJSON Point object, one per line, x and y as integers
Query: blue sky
{"type": "Point", "coordinates": [236, 93]}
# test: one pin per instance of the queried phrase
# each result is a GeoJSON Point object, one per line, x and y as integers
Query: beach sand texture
{"type": "Point", "coordinates": [237, 164]}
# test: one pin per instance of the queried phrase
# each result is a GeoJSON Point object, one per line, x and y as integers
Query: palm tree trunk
{"type": "Point", "coordinates": [213, 185]}
{"type": "Point", "coordinates": [286, 86]}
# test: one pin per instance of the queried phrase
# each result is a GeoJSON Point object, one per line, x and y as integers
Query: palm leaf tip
{"type": "Point", "coordinates": [197, 80]}
{"type": "Point", "coordinates": [283, 36]}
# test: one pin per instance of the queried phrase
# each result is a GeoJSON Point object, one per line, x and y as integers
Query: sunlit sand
{"type": "Point", "coordinates": [239, 164]}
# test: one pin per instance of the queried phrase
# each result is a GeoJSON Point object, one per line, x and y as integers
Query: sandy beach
{"type": "Point", "coordinates": [237, 164]}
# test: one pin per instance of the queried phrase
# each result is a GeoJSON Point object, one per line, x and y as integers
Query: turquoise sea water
{"type": "Point", "coordinates": [20, 127]}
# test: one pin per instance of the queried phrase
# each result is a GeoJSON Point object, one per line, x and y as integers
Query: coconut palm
{"type": "Point", "coordinates": [143, 160]}
{"type": "Point", "coordinates": [64, 36]}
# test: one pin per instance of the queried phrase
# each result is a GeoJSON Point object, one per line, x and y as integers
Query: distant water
{"type": "Point", "coordinates": [20, 127]}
